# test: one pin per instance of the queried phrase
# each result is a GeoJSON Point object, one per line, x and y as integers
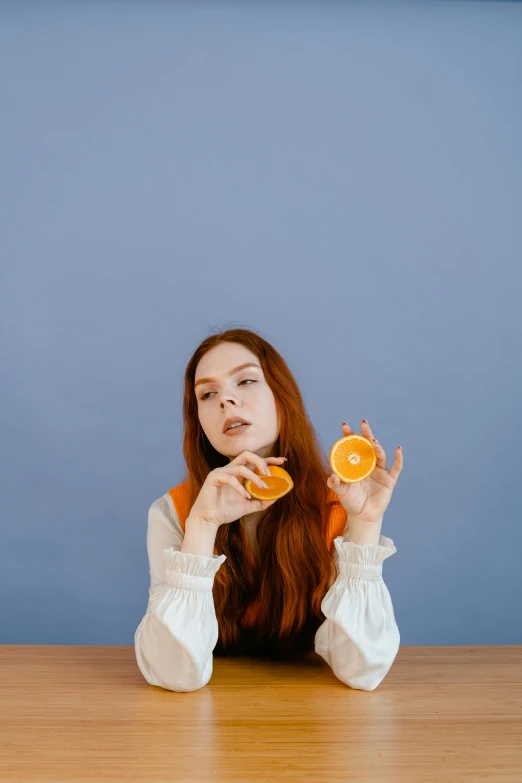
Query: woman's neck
{"type": "Point", "coordinates": [249, 523]}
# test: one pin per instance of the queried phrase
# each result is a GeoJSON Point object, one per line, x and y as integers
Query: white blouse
{"type": "Point", "coordinates": [174, 641]}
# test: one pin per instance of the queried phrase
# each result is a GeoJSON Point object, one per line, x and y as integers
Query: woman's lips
{"type": "Point", "coordinates": [235, 430]}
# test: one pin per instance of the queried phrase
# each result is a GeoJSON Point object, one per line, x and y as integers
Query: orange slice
{"type": "Point", "coordinates": [279, 484]}
{"type": "Point", "coordinates": [352, 458]}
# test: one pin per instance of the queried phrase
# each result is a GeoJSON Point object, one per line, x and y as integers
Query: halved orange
{"type": "Point", "coordinates": [352, 458]}
{"type": "Point", "coordinates": [279, 484]}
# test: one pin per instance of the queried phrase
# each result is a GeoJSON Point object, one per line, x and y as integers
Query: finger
{"type": "Point", "coordinates": [347, 430]}
{"type": "Point", "coordinates": [397, 464]}
{"type": "Point", "coordinates": [264, 504]}
{"type": "Point", "coordinates": [242, 470]}
{"type": "Point", "coordinates": [380, 453]}
{"type": "Point", "coordinates": [232, 481]}
{"type": "Point", "coordinates": [333, 481]}
{"type": "Point", "coordinates": [249, 456]}
{"type": "Point", "coordinates": [366, 430]}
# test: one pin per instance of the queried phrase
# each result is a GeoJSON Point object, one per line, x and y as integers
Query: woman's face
{"type": "Point", "coordinates": [227, 394]}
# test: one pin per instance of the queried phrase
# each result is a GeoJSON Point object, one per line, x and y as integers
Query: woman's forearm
{"type": "Point", "coordinates": [361, 532]}
{"type": "Point", "coordinates": [199, 537]}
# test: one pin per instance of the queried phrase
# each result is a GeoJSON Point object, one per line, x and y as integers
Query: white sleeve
{"type": "Point", "coordinates": [175, 639]}
{"type": "Point", "coordinates": [359, 638]}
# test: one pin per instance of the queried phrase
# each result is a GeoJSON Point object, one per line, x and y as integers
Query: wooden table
{"type": "Point", "coordinates": [86, 714]}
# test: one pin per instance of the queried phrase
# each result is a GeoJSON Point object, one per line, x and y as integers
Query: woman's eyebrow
{"type": "Point", "coordinates": [231, 372]}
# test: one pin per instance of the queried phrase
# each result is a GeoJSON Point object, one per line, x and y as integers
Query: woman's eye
{"type": "Point", "coordinates": [203, 396]}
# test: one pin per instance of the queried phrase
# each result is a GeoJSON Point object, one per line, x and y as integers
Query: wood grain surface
{"type": "Point", "coordinates": [442, 714]}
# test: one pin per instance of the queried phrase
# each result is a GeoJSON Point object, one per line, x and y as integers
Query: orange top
{"type": "Point", "coordinates": [180, 495]}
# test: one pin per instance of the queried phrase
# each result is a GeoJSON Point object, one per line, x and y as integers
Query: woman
{"type": "Point", "coordinates": [231, 575]}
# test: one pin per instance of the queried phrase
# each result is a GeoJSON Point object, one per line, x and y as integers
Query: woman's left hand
{"type": "Point", "coordinates": [368, 499]}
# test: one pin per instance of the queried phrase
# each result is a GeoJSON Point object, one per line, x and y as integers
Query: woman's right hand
{"type": "Point", "coordinates": [223, 498]}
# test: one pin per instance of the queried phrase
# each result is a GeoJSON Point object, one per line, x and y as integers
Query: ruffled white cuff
{"type": "Point", "coordinates": [363, 560]}
{"type": "Point", "coordinates": [195, 572]}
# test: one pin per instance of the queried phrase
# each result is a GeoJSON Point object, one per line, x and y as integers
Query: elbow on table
{"type": "Point", "coordinates": [365, 672]}
{"type": "Point", "coordinates": [175, 685]}
{"type": "Point", "coordinates": [368, 681]}
{"type": "Point", "coordinates": [171, 681]}
{"type": "Point", "coordinates": [177, 671]}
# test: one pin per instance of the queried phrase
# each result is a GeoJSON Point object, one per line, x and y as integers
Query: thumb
{"type": "Point", "coordinates": [264, 504]}
{"type": "Point", "coordinates": [334, 482]}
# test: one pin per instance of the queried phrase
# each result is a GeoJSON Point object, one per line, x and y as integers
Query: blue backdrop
{"type": "Point", "coordinates": [344, 178]}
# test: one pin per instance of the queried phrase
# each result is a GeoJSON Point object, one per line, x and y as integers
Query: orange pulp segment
{"type": "Point", "coordinates": [279, 484]}
{"type": "Point", "coordinates": [352, 458]}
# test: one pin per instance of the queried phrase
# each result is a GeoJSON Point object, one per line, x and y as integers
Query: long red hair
{"type": "Point", "coordinates": [296, 563]}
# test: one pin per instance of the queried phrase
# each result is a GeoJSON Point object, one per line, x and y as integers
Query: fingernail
{"type": "Point", "coordinates": [345, 422]}
{"type": "Point", "coordinates": [365, 421]}
{"type": "Point", "coordinates": [262, 483]}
